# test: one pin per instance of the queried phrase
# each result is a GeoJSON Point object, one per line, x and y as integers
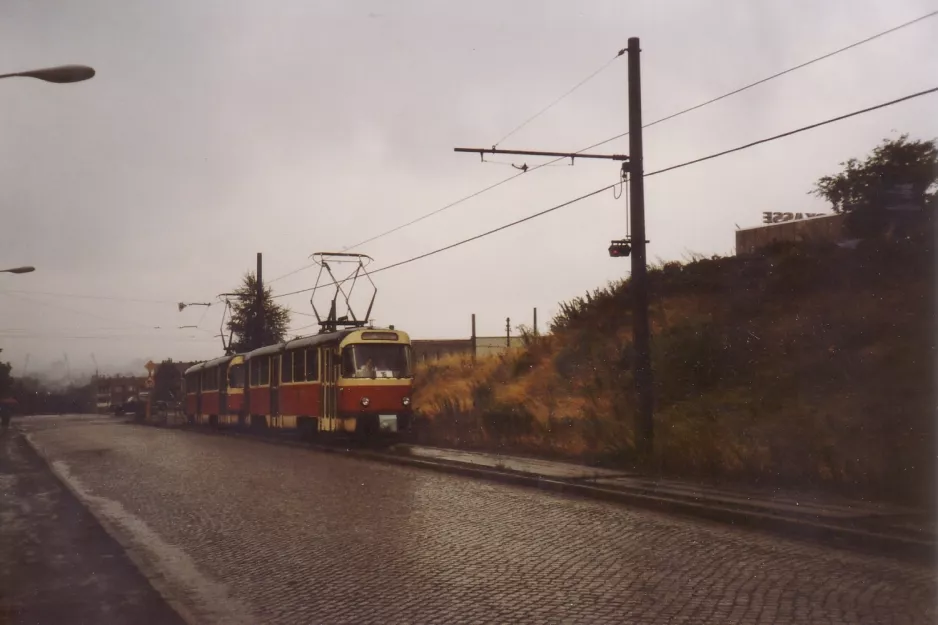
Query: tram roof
{"type": "Point", "coordinates": [208, 364]}
{"type": "Point", "coordinates": [304, 341]}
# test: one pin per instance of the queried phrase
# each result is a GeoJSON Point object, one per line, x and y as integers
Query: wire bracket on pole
{"type": "Point", "coordinates": [571, 155]}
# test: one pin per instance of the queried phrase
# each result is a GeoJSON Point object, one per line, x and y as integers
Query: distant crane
{"type": "Point", "coordinates": [68, 369]}
{"type": "Point", "coordinates": [95, 361]}
{"type": "Point", "coordinates": [25, 366]}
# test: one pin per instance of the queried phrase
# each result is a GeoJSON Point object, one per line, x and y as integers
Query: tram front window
{"type": "Point", "coordinates": [376, 361]}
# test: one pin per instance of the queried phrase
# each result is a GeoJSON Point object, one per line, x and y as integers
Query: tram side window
{"type": "Point", "coordinates": [299, 368]}
{"type": "Point", "coordinates": [255, 372]}
{"type": "Point", "coordinates": [209, 380]}
{"type": "Point", "coordinates": [286, 367]}
{"type": "Point", "coordinates": [312, 364]}
{"type": "Point", "coordinates": [264, 371]}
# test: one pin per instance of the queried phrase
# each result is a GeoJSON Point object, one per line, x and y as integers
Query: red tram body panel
{"type": "Point", "coordinates": [211, 401]}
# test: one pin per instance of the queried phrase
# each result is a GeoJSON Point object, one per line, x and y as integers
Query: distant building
{"type": "Point", "coordinates": [112, 391]}
{"type": "Point", "coordinates": [115, 390]}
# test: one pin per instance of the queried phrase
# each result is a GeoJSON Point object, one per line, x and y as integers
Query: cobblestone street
{"type": "Point", "coordinates": [246, 532]}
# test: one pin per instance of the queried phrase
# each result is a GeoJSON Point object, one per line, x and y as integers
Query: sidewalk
{"type": "Point", "coordinates": [889, 529]}
{"type": "Point", "coordinates": [57, 565]}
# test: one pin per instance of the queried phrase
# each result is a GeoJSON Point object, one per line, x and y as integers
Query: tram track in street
{"type": "Point", "coordinates": [905, 545]}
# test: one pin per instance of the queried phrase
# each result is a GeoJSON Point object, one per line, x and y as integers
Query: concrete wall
{"type": "Point", "coordinates": [430, 349]}
{"type": "Point", "coordinates": [491, 345]}
{"type": "Point", "coordinates": [434, 349]}
{"type": "Point", "coordinates": [826, 228]}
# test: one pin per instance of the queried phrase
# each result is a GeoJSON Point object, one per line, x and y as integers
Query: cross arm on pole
{"type": "Point", "coordinates": [481, 151]}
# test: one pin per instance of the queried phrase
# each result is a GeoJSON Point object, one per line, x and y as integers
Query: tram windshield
{"type": "Point", "coordinates": [376, 361]}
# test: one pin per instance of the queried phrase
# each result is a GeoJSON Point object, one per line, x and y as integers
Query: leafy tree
{"type": "Point", "coordinates": [861, 190]}
{"type": "Point", "coordinates": [244, 324]}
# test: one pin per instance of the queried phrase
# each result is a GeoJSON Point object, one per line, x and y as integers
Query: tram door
{"type": "Point", "coordinates": [274, 388]}
{"type": "Point", "coordinates": [198, 398]}
{"type": "Point", "coordinates": [329, 390]}
{"type": "Point", "coordinates": [222, 392]}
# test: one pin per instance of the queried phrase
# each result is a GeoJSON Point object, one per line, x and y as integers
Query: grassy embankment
{"type": "Point", "coordinates": [807, 367]}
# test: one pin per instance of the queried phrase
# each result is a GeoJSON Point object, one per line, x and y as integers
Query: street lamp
{"type": "Point", "coordinates": [26, 269]}
{"type": "Point", "coordinates": [59, 74]}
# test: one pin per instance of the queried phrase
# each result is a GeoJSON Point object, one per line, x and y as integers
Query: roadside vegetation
{"type": "Point", "coordinates": [808, 365]}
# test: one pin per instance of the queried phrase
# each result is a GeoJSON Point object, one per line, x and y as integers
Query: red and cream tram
{"type": "Point", "coordinates": [352, 380]}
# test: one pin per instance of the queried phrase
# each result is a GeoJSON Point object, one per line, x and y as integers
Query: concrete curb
{"type": "Point", "coordinates": [839, 536]}
{"type": "Point", "coordinates": [830, 535]}
{"type": "Point", "coordinates": [153, 577]}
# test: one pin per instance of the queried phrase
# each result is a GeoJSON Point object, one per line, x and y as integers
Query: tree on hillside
{"type": "Point", "coordinates": [897, 171]}
{"type": "Point", "coordinates": [244, 323]}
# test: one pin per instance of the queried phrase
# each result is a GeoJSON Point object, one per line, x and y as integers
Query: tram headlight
{"type": "Point", "coordinates": [365, 401]}
{"type": "Point", "coordinates": [406, 401]}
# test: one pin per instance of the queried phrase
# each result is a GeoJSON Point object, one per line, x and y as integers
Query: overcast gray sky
{"type": "Point", "coordinates": [217, 129]}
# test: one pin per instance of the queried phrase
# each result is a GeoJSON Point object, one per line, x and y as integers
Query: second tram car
{"type": "Point", "coordinates": [357, 381]}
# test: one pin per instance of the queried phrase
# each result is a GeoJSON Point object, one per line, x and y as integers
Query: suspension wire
{"type": "Point", "coordinates": [794, 132]}
{"type": "Point", "coordinates": [776, 75]}
{"type": "Point", "coordinates": [557, 101]}
{"type": "Point", "coordinates": [84, 296]}
{"type": "Point", "coordinates": [649, 174]}
{"type": "Point", "coordinates": [295, 271]}
{"type": "Point", "coordinates": [657, 121]}
{"type": "Point", "coordinates": [202, 318]}
{"type": "Point", "coordinates": [478, 236]}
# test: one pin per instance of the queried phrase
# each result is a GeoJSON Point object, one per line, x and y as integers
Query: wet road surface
{"type": "Point", "coordinates": [241, 531]}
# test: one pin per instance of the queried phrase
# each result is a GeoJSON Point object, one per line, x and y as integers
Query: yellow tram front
{"type": "Point", "coordinates": [375, 381]}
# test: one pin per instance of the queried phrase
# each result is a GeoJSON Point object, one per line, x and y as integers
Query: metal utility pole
{"type": "Point", "coordinates": [508, 332]}
{"type": "Point", "coordinates": [474, 342]}
{"type": "Point", "coordinates": [633, 245]}
{"type": "Point", "coordinates": [259, 303]}
{"type": "Point", "coordinates": [641, 339]}
{"type": "Point", "coordinates": [535, 322]}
